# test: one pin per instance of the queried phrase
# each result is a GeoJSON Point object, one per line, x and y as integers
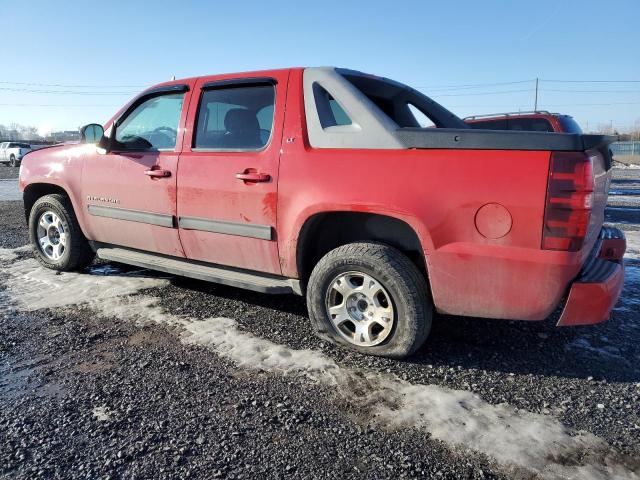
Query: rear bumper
{"type": "Point", "coordinates": [595, 292]}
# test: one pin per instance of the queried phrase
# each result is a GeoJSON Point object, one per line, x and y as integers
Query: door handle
{"type": "Point", "coordinates": [253, 177]}
{"type": "Point", "coordinates": [157, 172]}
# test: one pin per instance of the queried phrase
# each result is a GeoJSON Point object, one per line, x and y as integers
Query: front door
{"type": "Point", "coordinates": [228, 172]}
{"type": "Point", "coordinates": [130, 192]}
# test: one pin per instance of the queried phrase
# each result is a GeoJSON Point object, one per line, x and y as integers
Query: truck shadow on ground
{"type": "Point", "coordinates": [608, 351]}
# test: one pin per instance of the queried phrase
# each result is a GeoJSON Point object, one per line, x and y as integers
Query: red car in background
{"type": "Point", "coordinates": [534, 121]}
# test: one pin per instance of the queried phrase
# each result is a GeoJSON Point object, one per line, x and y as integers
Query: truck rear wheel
{"type": "Point", "coordinates": [370, 298]}
{"type": "Point", "coordinates": [13, 162]}
{"type": "Point", "coordinates": [58, 241]}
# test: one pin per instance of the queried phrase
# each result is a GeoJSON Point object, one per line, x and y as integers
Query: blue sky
{"type": "Point", "coordinates": [103, 52]}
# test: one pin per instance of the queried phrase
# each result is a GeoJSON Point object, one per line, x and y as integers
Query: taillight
{"type": "Point", "coordinates": [569, 201]}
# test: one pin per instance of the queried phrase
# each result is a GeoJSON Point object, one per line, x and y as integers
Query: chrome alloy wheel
{"type": "Point", "coordinates": [52, 235]}
{"type": "Point", "coordinates": [360, 309]}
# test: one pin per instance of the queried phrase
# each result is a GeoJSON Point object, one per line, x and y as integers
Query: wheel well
{"type": "Point", "coordinates": [323, 232]}
{"type": "Point", "coordinates": [34, 191]}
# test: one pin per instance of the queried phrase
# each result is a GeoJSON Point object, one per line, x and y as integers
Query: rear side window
{"type": "Point", "coordinates": [569, 125]}
{"type": "Point", "coordinates": [235, 118]}
{"type": "Point", "coordinates": [530, 124]}
{"type": "Point", "coordinates": [518, 124]}
{"type": "Point", "coordinates": [490, 125]}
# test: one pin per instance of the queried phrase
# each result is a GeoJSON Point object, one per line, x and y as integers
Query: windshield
{"type": "Point", "coordinates": [569, 125]}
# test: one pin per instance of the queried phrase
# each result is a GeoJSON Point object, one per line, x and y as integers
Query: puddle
{"type": "Point", "coordinates": [18, 379]}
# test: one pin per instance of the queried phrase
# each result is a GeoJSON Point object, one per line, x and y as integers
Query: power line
{"type": "Point", "coordinates": [553, 105]}
{"type": "Point", "coordinates": [433, 87]}
{"type": "Point", "coordinates": [588, 91]}
{"type": "Point", "coordinates": [593, 104]}
{"type": "Point", "coordinates": [63, 92]}
{"type": "Point", "coordinates": [471, 86]}
{"type": "Point", "coordinates": [62, 85]}
{"type": "Point", "coordinates": [532, 80]}
{"type": "Point", "coordinates": [500, 92]}
{"type": "Point", "coordinates": [592, 81]}
{"type": "Point", "coordinates": [452, 87]}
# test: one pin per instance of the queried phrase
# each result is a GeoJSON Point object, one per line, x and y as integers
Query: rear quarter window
{"type": "Point", "coordinates": [490, 125]}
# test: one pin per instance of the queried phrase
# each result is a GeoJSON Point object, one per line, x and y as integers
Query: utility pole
{"type": "Point", "coordinates": [535, 105]}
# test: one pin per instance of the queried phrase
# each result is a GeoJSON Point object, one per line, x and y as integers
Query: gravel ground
{"type": "Point", "coordinates": [94, 396]}
{"type": "Point", "coordinates": [14, 225]}
{"type": "Point", "coordinates": [8, 172]}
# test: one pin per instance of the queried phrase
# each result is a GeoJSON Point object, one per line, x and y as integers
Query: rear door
{"type": "Point", "coordinates": [228, 172]}
{"type": "Point", "coordinates": [130, 192]}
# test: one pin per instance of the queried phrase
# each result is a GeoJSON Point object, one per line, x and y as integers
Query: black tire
{"type": "Point", "coordinates": [413, 309]}
{"type": "Point", "coordinates": [13, 162]}
{"type": "Point", "coordinates": [77, 253]}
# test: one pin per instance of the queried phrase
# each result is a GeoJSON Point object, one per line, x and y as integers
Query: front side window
{"type": "Point", "coordinates": [235, 118]}
{"type": "Point", "coordinates": [152, 125]}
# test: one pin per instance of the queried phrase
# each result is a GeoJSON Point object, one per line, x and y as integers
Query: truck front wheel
{"type": "Point", "coordinates": [58, 241]}
{"type": "Point", "coordinates": [371, 298]}
{"type": "Point", "coordinates": [13, 161]}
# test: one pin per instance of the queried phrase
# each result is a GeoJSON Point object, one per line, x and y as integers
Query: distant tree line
{"type": "Point", "coordinates": [629, 134]}
{"type": "Point", "coordinates": [16, 132]}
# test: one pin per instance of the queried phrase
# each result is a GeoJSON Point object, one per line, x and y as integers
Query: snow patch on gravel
{"type": "Point", "coordinates": [633, 244]}
{"type": "Point", "coordinates": [253, 352]}
{"type": "Point", "coordinates": [517, 439]}
{"type": "Point", "coordinates": [33, 287]}
{"type": "Point", "coordinates": [460, 418]}
{"type": "Point", "coordinates": [101, 414]}
{"type": "Point", "coordinates": [9, 254]}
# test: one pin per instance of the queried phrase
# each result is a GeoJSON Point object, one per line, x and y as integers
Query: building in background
{"type": "Point", "coordinates": [64, 136]}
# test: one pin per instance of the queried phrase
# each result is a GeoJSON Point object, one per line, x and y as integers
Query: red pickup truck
{"type": "Point", "coordinates": [535, 121]}
{"type": "Point", "coordinates": [320, 181]}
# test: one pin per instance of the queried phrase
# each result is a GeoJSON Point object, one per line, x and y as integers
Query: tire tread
{"type": "Point", "coordinates": [80, 254]}
{"type": "Point", "coordinates": [401, 271]}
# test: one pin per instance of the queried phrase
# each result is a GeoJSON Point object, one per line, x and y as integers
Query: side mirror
{"type": "Point", "coordinates": [92, 133]}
